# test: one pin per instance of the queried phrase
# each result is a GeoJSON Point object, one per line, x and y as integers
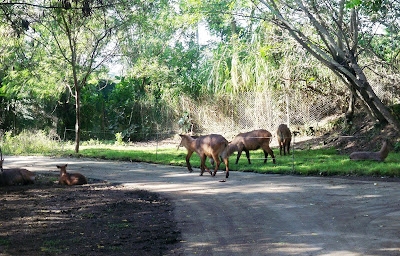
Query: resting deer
{"type": "Point", "coordinates": [284, 139]}
{"type": "Point", "coordinates": [375, 156]}
{"type": "Point", "coordinates": [70, 178]}
{"type": "Point", "coordinates": [15, 176]}
{"type": "Point", "coordinates": [251, 141]}
{"type": "Point", "coordinates": [212, 146]}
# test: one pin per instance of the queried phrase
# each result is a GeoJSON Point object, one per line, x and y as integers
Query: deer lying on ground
{"type": "Point", "coordinates": [70, 178]}
{"type": "Point", "coordinates": [284, 139]}
{"type": "Point", "coordinates": [212, 146]}
{"type": "Point", "coordinates": [375, 156]}
{"type": "Point", "coordinates": [251, 141]}
{"type": "Point", "coordinates": [15, 176]}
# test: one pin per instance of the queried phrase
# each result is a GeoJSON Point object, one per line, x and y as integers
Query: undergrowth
{"type": "Point", "coordinates": [30, 142]}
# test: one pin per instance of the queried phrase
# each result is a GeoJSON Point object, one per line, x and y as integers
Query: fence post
{"type": "Point", "coordinates": [294, 141]}
{"type": "Point", "coordinates": [157, 142]}
{"type": "Point", "coordinates": [65, 131]}
{"type": "Point", "coordinates": [287, 110]}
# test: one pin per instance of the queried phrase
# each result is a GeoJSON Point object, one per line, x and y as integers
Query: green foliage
{"type": "Point", "coordinates": [185, 122]}
{"type": "Point", "coordinates": [396, 110]}
{"type": "Point", "coordinates": [29, 142]}
{"type": "Point", "coordinates": [270, 60]}
{"type": "Point", "coordinates": [118, 138]}
{"type": "Point", "coordinates": [27, 89]}
{"type": "Point", "coordinates": [396, 147]}
{"type": "Point", "coordinates": [372, 5]}
{"type": "Point", "coordinates": [163, 61]}
{"type": "Point", "coordinates": [137, 109]}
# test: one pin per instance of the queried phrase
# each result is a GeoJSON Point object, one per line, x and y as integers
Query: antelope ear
{"type": "Point", "coordinates": [180, 135]}
{"type": "Point", "coordinates": [58, 166]}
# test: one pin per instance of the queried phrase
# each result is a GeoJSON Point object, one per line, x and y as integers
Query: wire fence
{"type": "Point", "coordinates": [229, 115]}
{"type": "Point", "coordinates": [248, 111]}
{"type": "Point", "coordinates": [254, 110]}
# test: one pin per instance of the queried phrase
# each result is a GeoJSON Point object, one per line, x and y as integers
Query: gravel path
{"type": "Point", "coordinates": [254, 214]}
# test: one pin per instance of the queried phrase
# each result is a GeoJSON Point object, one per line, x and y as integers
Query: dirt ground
{"type": "Point", "coordinates": [94, 219]}
{"type": "Point", "coordinates": [249, 214]}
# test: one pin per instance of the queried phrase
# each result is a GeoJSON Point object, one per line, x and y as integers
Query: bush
{"type": "Point", "coordinates": [396, 147]}
{"type": "Point", "coordinates": [118, 139]}
{"type": "Point", "coordinates": [29, 142]}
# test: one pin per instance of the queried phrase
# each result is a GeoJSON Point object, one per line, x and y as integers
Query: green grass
{"type": "Point", "coordinates": [4, 242]}
{"type": "Point", "coordinates": [325, 162]}
{"type": "Point", "coordinates": [52, 246]}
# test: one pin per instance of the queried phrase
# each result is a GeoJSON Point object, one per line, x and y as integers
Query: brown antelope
{"type": "Point", "coordinates": [251, 141]}
{"type": "Point", "coordinates": [70, 178]}
{"type": "Point", "coordinates": [284, 139]}
{"type": "Point", "coordinates": [375, 156]}
{"type": "Point", "coordinates": [15, 176]}
{"type": "Point", "coordinates": [212, 146]}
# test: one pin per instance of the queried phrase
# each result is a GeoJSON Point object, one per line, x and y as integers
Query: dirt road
{"type": "Point", "coordinates": [253, 214]}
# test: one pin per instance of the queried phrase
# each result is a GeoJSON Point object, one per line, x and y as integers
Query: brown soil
{"type": "Point", "coordinates": [94, 219]}
{"type": "Point", "coordinates": [364, 135]}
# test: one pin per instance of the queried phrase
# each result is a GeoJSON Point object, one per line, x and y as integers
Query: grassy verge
{"type": "Point", "coordinates": [324, 162]}
{"type": "Point", "coordinates": [305, 162]}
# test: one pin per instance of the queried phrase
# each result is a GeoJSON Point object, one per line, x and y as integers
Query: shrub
{"type": "Point", "coordinates": [29, 142]}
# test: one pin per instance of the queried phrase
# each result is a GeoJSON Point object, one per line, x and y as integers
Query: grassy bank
{"type": "Point", "coordinates": [324, 162]}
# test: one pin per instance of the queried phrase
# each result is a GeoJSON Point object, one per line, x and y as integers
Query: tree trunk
{"type": "Point", "coordinates": [384, 114]}
{"type": "Point", "coordinates": [350, 109]}
{"type": "Point", "coordinates": [235, 57]}
{"type": "Point", "coordinates": [368, 96]}
{"type": "Point", "coordinates": [78, 119]}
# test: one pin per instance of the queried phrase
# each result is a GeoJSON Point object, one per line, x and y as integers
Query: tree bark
{"type": "Point", "coordinates": [78, 119]}
{"type": "Point", "coordinates": [350, 110]}
{"type": "Point", "coordinates": [235, 57]}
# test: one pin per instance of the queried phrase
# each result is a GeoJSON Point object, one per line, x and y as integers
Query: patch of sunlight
{"type": "Point", "coordinates": [249, 189]}
{"type": "Point", "coordinates": [336, 187]}
{"type": "Point", "coordinates": [199, 244]}
{"type": "Point", "coordinates": [368, 196]}
{"type": "Point", "coordinates": [397, 250]}
{"type": "Point", "coordinates": [341, 253]}
{"type": "Point", "coordinates": [293, 249]}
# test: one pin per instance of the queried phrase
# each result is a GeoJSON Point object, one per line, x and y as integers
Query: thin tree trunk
{"type": "Point", "coordinates": [350, 109]}
{"type": "Point", "coordinates": [378, 109]}
{"type": "Point", "coordinates": [78, 119]}
{"type": "Point", "coordinates": [235, 57]}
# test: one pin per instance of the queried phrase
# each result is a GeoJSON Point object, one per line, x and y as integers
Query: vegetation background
{"type": "Point", "coordinates": [89, 71]}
